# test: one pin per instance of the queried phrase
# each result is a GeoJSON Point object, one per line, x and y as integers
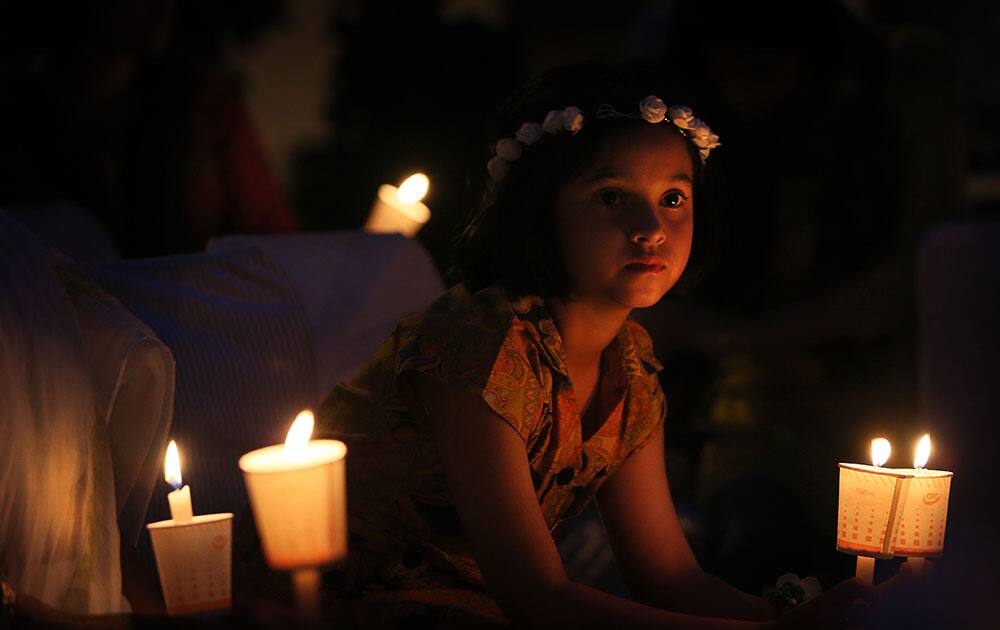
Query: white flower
{"type": "Point", "coordinates": [508, 149]}
{"type": "Point", "coordinates": [653, 109]}
{"type": "Point", "coordinates": [702, 135]}
{"type": "Point", "coordinates": [810, 585]}
{"type": "Point", "coordinates": [681, 116]}
{"type": "Point", "coordinates": [529, 133]}
{"type": "Point", "coordinates": [699, 131]}
{"type": "Point", "coordinates": [553, 122]}
{"type": "Point", "coordinates": [572, 119]}
{"type": "Point", "coordinates": [497, 168]}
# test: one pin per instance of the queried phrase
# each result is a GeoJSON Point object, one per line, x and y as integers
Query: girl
{"type": "Point", "coordinates": [525, 391]}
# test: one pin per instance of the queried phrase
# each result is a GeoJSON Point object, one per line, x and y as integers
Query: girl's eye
{"type": "Point", "coordinates": [673, 199]}
{"type": "Point", "coordinates": [610, 197]}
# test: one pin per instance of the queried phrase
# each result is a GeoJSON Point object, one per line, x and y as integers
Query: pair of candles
{"type": "Point", "coordinates": [886, 512]}
{"type": "Point", "coordinates": [299, 501]}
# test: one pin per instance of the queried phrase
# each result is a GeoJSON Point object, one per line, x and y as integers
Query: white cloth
{"type": "Point", "coordinates": [355, 287]}
{"type": "Point", "coordinates": [244, 362]}
{"type": "Point", "coordinates": [133, 376]}
{"type": "Point", "coordinates": [59, 538]}
{"type": "Point", "coordinates": [260, 328]}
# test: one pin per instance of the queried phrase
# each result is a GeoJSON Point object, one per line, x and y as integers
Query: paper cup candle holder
{"type": "Point", "coordinates": [886, 512]}
{"type": "Point", "coordinates": [299, 500]}
{"type": "Point", "coordinates": [193, 553]}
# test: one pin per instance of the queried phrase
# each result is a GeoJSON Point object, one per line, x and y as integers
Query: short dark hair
{"type": "Point", "coordinates": [511, 239]}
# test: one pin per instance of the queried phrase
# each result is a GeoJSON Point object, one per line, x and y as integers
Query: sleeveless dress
{"type": "Point", "coordinates": [408, 556]}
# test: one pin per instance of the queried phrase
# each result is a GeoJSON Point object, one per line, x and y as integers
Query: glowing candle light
{"type": "Point", "coordinates": [414, 188]}
{"type": "Point", "coordinates": [921, 529]}
{"type": "Point", "coordinates": [193, 553]}
{"type": "Point", "coordinates": [923, 452]}
{"type": "Point", "coordinates": [400, 209]}
{"type": "Point", "coordinates": [180, 498]}
{"type": "Point", "coordinates": [298, 495]}
{"type": "Point", "coordinates": [881, 449]}
{"type": "Point", "coordinates": [297, 438]}
{"type": "Point", "coordinates": [869, 508]}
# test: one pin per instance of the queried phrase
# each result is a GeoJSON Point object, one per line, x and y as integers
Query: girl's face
{"type": "Point", "coordinates": [626, 222]}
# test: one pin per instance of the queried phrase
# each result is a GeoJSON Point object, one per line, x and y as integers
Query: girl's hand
{"type": "Point", "coordinates": [844, 606]}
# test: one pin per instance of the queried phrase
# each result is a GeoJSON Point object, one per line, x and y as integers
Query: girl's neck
{"type": "Point", "coordinates": [586, 328]}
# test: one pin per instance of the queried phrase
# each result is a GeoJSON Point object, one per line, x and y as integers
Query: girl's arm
{"type": "Point", "coordinates": [652, 552]}
{"type": "Point", "coordinates": [488, 475]}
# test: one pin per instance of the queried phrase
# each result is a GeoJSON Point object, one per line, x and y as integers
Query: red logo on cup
{"type": "Point", "coordinates": [219, 541]}
{"type": "Point", "coordinates": [931, 498]}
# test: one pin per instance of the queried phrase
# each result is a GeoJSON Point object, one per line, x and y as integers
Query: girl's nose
{"type": "Point", "coordinates": [647, 228]}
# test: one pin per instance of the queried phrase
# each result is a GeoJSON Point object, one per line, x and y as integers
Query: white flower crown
{"type": "Point", "coordinates": [651, 109]}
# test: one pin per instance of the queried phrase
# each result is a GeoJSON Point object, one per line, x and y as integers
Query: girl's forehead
{"type": "Point", "coordinates": [646, 149]}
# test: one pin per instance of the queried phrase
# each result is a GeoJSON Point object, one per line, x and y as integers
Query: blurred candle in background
{"type": "Point", "coordinates": [400, 209]}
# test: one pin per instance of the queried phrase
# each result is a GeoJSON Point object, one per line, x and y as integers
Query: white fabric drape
{"type": "Point", "coordinates": [85, 403]}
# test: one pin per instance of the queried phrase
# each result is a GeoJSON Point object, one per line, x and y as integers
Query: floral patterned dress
{"type": "Point", "coordinates": [408, 555]}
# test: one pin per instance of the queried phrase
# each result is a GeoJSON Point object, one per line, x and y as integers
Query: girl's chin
{"type": "Point", "coordinates": [641, 298]}
{"type": "Point", "coordinates": [646, 302]}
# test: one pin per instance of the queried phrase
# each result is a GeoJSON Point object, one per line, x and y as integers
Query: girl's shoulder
{"type": "Point", "coordinates": [458, 311]}
{"type": "Point", "coordinates": [638, 347]}
{"type": "Point", "coordinates": [459, 336]}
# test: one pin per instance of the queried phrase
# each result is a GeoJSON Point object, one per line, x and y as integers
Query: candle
{"type": "Point", "coordinates": [299, 500]}
{"type": "Point", "coordinates": [924, 513]}
{"type": "Point", "coordinates": [869, 509]}
{"type": "Point", "coordinates": [193, 553]}
{"type": "Point", "coordinates": [180, 498]}
{"type": "Point", "coordinates": [400, 209]}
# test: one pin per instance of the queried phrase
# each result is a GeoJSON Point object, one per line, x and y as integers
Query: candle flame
{"type": "Point", "coordinates": [413, 188]}
{"type": "Point", "coordinates": [298, 436]}
{"type": "Point", "coordinates": [881, 449]}
{"type": "Point", "coordinates": [923, 452]}
{"type": "Point", "coordinates": [172, 466]}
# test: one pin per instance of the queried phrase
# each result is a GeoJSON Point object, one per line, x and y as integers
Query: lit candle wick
{"type": "Point", "coordinates": [413, 189]}
{"type": "Point", "coordinates": [923, 453]}
{"type": "Point", "coordinates": [881, 449]}
{"type": "Point", "coordinates": [180, 498]}
{"type": "Point", "coordinates": [297, 439]}
{"type": "Point", "coordinates": [172, 466]}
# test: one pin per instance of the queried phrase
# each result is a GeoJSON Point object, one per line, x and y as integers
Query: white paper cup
{"type": "Point", "coordinates": [194, 560]}
{"type": "Point", "coordinates": [300, 508]}
{"type": "Point", "coordinates": [921, 528]}
{"type": "Point", "coordinates": [389, 214]}
{"type": "Point", "coordinates": [869, 507]}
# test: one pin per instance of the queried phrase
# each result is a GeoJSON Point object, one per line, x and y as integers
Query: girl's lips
{"type": "Point", "coordinates": [642, 267]}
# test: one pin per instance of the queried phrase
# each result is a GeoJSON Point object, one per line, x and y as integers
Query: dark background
{"type": "Point", "coordinates": [849, 130]}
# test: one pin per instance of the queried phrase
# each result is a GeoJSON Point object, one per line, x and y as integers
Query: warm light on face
{"type": "Point", "coordinates": [172, 466]}
{"type": "Point", "coordinates": [298, 436]}
{"type": "Point", "coordinates": [612, 216]}
{"type": "Point", "coordinates": [881, 449]}
{"type": "Point", "coordinates": [923, 452]}
{"type": "Point", "coordinates": [414, 188]}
